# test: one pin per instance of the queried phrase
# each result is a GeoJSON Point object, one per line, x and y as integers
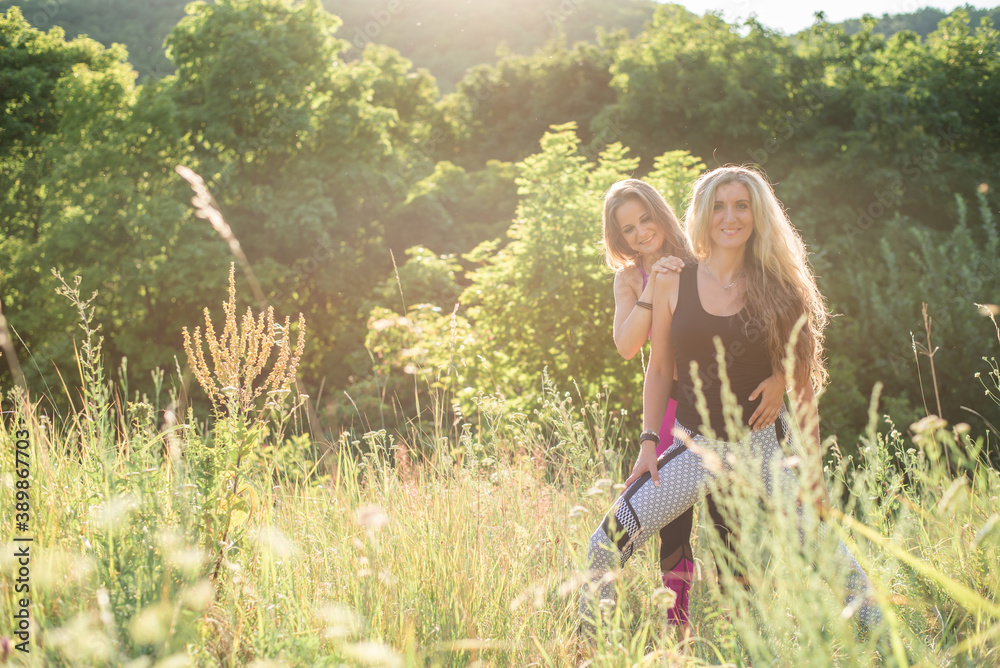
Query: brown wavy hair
{"type": "Point", "coordinates": [617, 253]}
{"type": "Point", "coordinates": [780, 286]}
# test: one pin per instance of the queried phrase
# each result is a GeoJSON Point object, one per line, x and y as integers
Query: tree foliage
{"type": "Point", "coordinates": [499, 112]}
{"type": "Point", "coordinates": [880, 334]}
{"type": "Point", "coordinates": [473, 31]}
{"type": "Point", "coordinates": [538, 306]}
{"type": "Point", "coordinates": [296, 144]}
{"type": "Point", "coordinates": [139, 26]}
{"type": "Point", "coordinates": [330, 153]}
{"type": "Point", "coordinates": [699, 84]}
{"type": "Point", "coordinates": [923, 21]}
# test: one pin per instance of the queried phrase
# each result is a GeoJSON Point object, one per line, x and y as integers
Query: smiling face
{"type": "Point", "coordinates": [732, 217]}
{"type": "Point", "coordinates": [638, 228]}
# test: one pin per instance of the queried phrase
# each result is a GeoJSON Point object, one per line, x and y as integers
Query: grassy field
{"type": "Point", "coordinates": [162, 540]}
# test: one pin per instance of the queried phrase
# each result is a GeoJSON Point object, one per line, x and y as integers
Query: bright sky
{"type": "Point", "coordinates": [790, 16]}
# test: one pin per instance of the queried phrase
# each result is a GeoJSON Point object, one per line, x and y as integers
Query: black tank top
{"type": "Point", "coordinates": [747, 361]}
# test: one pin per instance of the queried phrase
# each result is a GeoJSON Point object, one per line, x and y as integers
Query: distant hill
{"type": "Point", "coordinates": [445, 36]}
{"type": "Point", "coordinates": [141, 25]}
{"type": "Point", "coordinates": [923, 21]}
{"type": "Point", "coordinates": [450, 36]}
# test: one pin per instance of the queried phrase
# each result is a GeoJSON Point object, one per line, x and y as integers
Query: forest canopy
{"type": "Point", "coordinates": [437, 238]}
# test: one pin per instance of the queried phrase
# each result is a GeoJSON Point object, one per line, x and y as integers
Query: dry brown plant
{"type": "Point", "coordinates": [240, 354]}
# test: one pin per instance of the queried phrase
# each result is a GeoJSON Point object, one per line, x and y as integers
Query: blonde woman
{"type": "Point", "coordinates": [643, 239]}
{"type": "Point", "coordinates": [748, 286]}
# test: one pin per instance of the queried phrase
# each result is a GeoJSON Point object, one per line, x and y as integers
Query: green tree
{"type": "Point", "coordinates": [307, 154]}
{"type": "Point", "coordinates": [697, 84]}
{"type": "Point", "coordinates": [544, 301]}
{"type": "Point", "coordinates": [32, 64]}
{"type": "Point", "coordinates": [673, 175]}
{"type": "Point", "coordinates": [878, 127]}
{"type": "Point", "coordinates": [880, 304]}
{"type": "Point", "coordinates": [424, 278]}
{"type": "Point", "coordinates": [452, 210]}
{"type": "Point", "coordinates": [500, 111]}
{"type": "Point", "coordinates": [419, 348]}
{"type": "Point", "coordinates": [88, 194]}
{"type": "Point", "coordinates": [923, 22]}
{"type": "Point", "coordinates": [296, 145]}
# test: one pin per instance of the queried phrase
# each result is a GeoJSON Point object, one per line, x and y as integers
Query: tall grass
{"type": "Point", "coordinates": [462, 545]}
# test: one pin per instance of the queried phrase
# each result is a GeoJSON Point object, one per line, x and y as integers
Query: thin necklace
{"type": "Point", "coordinates": [725, 288]}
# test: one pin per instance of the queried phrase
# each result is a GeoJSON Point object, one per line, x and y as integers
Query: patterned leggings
{"type": "Point", "coordinates": [676, 557]}
{"type": "Point", "coordinates": [644, 508]}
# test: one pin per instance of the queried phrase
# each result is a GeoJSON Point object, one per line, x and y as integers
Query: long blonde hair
{"type": "Point", "coordinates": [780, 286]}
{"type": "Point", "coordinates": [617, 252]}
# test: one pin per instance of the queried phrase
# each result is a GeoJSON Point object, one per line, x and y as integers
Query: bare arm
{"type": "Point", "coordinates": [631, 321]}
{"type": "Point", "coordinates": [659, 376]}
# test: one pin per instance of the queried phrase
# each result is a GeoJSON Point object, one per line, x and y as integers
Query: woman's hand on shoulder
{"type": "Point", "coordinates": [666, 265]}
{"type": "Point", "coordinates": [665, 289]}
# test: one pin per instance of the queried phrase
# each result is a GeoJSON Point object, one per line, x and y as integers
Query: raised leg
{"type": "Point", "coordinates": [637, 515]}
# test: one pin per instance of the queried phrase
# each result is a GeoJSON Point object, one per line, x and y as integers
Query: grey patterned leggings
{"type": "Point", "coordinates": [684, 477]}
